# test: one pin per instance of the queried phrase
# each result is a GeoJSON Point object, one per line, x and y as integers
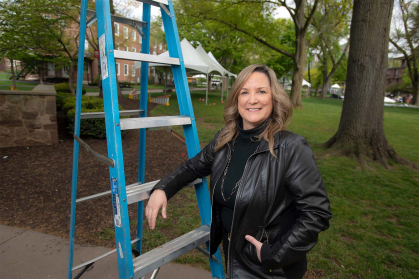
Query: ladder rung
{"type": "Point", "coordinates": [135, 192]}
{"type": "Point", "coordinates": [140, 192]}
{"type": "Point", "coordinates": [89, 115]}
{"type": "Point", "coordinates": [154, 122]}
{"type": "Point", "coordinates": [155, 258]}
{"type": "Point", "coordinates": [100, 257]}
{"type": "Point", "coordinates": [154, 2]}
{"type": "Point", "coordinates": [135, 56]}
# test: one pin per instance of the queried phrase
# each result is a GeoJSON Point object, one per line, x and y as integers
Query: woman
{"type": "Point", "coordinates": [269, 202]}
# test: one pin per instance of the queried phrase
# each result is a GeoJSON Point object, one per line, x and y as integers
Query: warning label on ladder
{"type": "Point", "coordinates": [115, 202]}
{"type": "Point", "coordinates": [103, 58]}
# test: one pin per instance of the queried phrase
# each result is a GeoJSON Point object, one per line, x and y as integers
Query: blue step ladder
{"type": "Point", "coordinates": [130, 267]}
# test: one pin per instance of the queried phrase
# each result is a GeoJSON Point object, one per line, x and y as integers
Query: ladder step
{"type": "Point", "coordinates": [126, 55]}
{"type": "Point", "coordinates": [153, 122]}
{"type": "Point", "coordinates": [135, 192]}
{"type": "Point", "coordinates": [100, 257]}
{"type": "Point", "coordinates": [162, 255]}
{"type": "Point", "coordinates": [139, 192]}
{"type": "Point", "coordinates": [154, 2]}
{"type": "Point", "coordinates": [89, 115]}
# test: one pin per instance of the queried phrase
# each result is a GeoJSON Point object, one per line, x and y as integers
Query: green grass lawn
{"type": "Point", "coordinates": [375, 228]}
{"type": "Point", "coordinates": [4, 75]}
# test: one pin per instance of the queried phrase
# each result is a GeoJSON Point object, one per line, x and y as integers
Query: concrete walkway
{"type": "Point", "coordinates": [32, 255]}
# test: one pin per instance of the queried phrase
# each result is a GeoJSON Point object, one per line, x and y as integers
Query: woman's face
{"type": "Point", "coordinates": [255, 100]}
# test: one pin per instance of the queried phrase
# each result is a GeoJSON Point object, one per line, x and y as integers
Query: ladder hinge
{"type": "Point", "coordinates": [165, 9]}
{"type": "Point", "coordinates": [101, 158]}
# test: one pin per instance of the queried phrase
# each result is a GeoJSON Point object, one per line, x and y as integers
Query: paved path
{"type": "Point", "coordinates": [33, 255]}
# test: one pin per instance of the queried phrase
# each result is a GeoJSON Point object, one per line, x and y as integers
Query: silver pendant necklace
{"type": "Point", "coordinates": [225, 174]}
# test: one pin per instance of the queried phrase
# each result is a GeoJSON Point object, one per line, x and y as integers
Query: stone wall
{"type": "Point", "coordinates": [28, 117]}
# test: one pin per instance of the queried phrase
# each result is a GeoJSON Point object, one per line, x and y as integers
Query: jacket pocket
{"type": "Point", "coordinates": [261, 236]}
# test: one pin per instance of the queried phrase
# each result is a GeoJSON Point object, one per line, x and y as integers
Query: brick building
{"type": "Point", "coordinates": [126, 39]}
{"type": "Point", "coordinates": [396, 70]}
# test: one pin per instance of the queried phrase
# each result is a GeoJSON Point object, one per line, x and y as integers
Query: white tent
{"type": "Point", "coordinates": [191, 58]}
{"type": "Point", "coordinates": [336, 86]}
{"type": "Point", "coordinates": [216, 62]}
{"type": "Point", "coordinates": [213, 67]}
{"type": "Point", "coordinates": [306, 83]}
{"type": "Point", "coordinates": [197, 60]}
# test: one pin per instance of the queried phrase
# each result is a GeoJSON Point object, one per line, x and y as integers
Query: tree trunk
{"type": "Point", "coordinates": [71, 77]}
{"type": "Point", "coordinates": [12, 69]}
{"type": "Point", "coordinates": [415, 91]}
{"type": "Point", "coordinates": [41, 73]}
{"type": "Point", "coordinates": [325, 86]}
{"type": "Point", "coordinates": [361, 130]}
{"type": "Point", "coordinates": [299, 57]}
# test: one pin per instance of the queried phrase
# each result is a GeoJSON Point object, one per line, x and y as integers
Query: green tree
{"type": "Point", "coordinates": [361, 128]}
{"type": "Point", "coordinates": [255, 19]}
{"type": "Point", "coordinates": [333, 16]}
{"type": "Point", "coordinates": [46, 29]}
{"type": "Point", "coordinates": [405, 39]}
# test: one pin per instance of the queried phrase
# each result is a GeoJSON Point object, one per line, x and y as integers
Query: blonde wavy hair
{"type": "Point", "coordinates": [279, 118]}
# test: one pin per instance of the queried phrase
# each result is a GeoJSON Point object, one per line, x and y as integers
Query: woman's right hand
{"type": "Point", "coordinates": [157, 200]}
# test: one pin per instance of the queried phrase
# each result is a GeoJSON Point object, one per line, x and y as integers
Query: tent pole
{"type": "Point", "coordinates": [222, 89]}
{"type": "Point", "coordinates": [206, 99]}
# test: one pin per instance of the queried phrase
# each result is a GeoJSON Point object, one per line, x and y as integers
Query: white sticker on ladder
{"type": "Point", "coordinates": [103, 58]}
{"type": "Point", "coordinates": [120, 250]}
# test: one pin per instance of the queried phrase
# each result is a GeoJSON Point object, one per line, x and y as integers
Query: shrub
{"type": "Point", "coordinates": [59, 99]}
{"type": "Point", "coordinates": [91, 128]}
{"type": "Point", "coordinates": [65, 88]}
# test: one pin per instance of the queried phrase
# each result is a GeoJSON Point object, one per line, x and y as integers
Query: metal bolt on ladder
{"type": "Point", "coordinates": [130, 267]}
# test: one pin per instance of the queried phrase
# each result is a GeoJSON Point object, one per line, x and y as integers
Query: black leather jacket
{"type": "Point", "coordinates": [282, 202]}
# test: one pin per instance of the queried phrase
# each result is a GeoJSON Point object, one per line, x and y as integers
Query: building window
{"type": "Point", "coordinates": [126, 71]}
{"type": "Point", "coordinates": [133, 70]}
{"type": "Point", "coordinates": [117, 69]}
{"type": "Point", "coordinates": [86, 45]}
{"type": "Point", "coordinates": [134, 35]}
{"type": "Point", "coordinates": [126, 48]}
{"type": "Point", "coordinates": [125, 32]}
{"type": "Point", "coordinates": [397, 71]}
{"type": "Point", "coordinates": [116, 27]}
{"type": "Point", "coordinates": [160, 46]}
{"type": "Point", "coordinates": [155, 43]}
{"type": "Point", "coordinates": [134, 49]}
{"type": "Point", "coordinates": [388, 73]}
{"type": "Point", "coordinates": [154, 52]}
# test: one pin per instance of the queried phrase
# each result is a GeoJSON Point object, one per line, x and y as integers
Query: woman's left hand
{"type": "Point", "coordinates": [257, 244]}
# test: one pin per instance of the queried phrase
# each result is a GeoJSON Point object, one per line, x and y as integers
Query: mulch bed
{"type": "Point", "coordinates": [36, 181]}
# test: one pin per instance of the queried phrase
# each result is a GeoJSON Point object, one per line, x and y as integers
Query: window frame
{"type": "Point", "coordinates": [133, 70]}
{"type": "Point", "coordinates": [117, 68]}
{"type": "Point", "coordinates": [126, 34]}
{"type": "Point", "coordinates": [116, 28]}
{"type": "Point", "coordinates": [127, 70]}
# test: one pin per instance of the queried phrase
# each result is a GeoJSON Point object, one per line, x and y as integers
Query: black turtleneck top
{"type": "Point", "coordinates": [244, 147]}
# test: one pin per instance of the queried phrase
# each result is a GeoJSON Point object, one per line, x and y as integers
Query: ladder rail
{"type": "Point", "coordinates": [145, 49]}
{"type": "Point", "coordinates": [191, 132]}
{"type": "Point", "coordinates": [82, 36]}
{"type": "Point", "coordinates": [113, 138]}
